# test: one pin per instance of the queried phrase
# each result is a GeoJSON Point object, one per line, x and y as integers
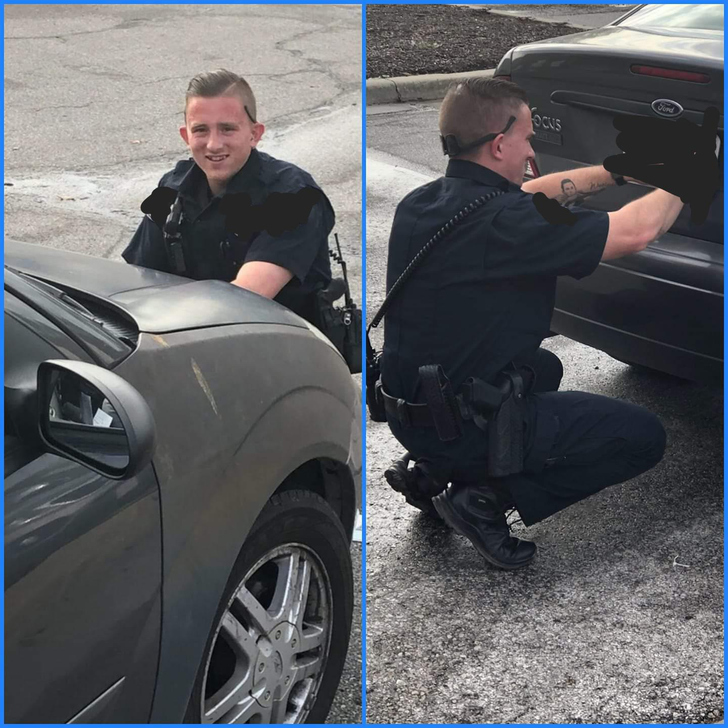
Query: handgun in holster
{"type": "Point", "coordinates": [505, 428]}
{"type": "Point", "coordinates": [499, 410]}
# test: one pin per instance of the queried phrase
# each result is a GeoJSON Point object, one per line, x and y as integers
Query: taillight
{"type": "Point", "coordinates": [503, 76]}
{"type": "Point", "coordinates": [671, 73]}
{"type": "Point", "coordinates": [532, 169]}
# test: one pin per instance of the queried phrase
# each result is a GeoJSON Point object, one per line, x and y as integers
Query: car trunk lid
{"type": "Point", "coordinates": [577, 84]}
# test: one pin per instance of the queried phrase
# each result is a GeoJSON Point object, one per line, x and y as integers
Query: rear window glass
{"type": "Point", "coordinates": [695, 17]}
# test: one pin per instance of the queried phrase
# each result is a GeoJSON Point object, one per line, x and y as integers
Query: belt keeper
{"type": "Point", "coordinates": [403, 414]}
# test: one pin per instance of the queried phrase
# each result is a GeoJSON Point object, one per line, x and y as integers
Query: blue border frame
{"type": "Point", "coordinates": [364, 368]}
{"type": "Point", "coordinates": [364, 307]}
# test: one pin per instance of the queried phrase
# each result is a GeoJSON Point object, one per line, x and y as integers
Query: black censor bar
{"type": "Point", "coordinates": [676, 156]}
{"type": "Point", "coordinates": [279, 213]}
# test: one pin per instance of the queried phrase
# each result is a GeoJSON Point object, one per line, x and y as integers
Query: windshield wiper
{"type": "Point", "coordinates": [59, 294]}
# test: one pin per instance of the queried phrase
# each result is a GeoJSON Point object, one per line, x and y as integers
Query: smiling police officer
{"type": "Point", "coordinates": [247, 218]}
{"type": "Point", "coordinates": [479, 306]}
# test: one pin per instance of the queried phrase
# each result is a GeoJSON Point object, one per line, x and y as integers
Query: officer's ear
{"type": "Point", "coordinates": [258, 130]}
{"type": "Point", "coordinates": [496, 146]}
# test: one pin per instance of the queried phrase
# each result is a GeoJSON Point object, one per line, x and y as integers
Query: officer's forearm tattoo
{"type": "Point", "coordinates": [572, 195]}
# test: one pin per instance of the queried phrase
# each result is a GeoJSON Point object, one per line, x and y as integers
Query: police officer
{"type": "Point", "coordinates": [482, 301]}
{"type": "Point", "coordinates": [247, 218]}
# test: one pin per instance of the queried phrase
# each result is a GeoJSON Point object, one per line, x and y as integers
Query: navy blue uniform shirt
{"type": "Point", "coordinates": [212, 253]}
{"type": "Point", "coordinates": [485, 294]}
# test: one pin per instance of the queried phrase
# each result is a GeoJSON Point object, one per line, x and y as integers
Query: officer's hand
{"type": "Point", "coordinates": [158, 205]}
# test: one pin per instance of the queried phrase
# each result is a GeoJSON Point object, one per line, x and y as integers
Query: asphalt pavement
{"type": "Point", "coordinates": [620, 617]}
{"type": "Point", "coordinates": [94, 97]}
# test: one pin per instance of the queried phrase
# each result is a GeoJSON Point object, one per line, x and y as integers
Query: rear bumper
{"type": "Point", "coordinates": [629, 309]}
{"type": "Point", "coordinates": [638, 350]}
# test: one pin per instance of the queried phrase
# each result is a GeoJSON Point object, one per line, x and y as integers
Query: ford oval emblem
{"type": "Point", "coordinates": [665, 107]}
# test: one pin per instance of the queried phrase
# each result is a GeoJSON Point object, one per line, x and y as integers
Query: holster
{"type": "Point", "coordinates": [442, 402]}
{"type": "Point", "coordinates": [505, 427]}
{"type": "Point", "coordinates": [352, 337]}
{"type": "Point", "coordinates": [175, 253]}
{"type": "Point", "coordinates": [498, 409]}
{"type": "Point", "coordinates": [374, 397]}
{"type": "Point", "coordinates": [341, 325]}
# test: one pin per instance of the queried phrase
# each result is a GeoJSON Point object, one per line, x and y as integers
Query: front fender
{"type": "Point", "coordinates": [237, 409]}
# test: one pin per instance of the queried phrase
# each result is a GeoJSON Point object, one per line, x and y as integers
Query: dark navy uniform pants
{"type": "Point", "coordinates": [577, 444]}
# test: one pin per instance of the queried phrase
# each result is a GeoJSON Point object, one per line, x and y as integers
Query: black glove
{"type": "Point", "coordinates": [676, 156]}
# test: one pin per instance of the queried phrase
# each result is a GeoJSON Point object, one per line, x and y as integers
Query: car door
{"type": "Point", "coordinates": [82, 560]}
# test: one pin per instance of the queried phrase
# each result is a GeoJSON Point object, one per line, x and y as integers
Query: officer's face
{"type": "Point", "coordinates": [220, 136]}
{"type": "Point", "coordinates": [516, 146]}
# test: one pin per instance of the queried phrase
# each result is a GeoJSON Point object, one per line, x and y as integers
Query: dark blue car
{"type": "Point", "coordinates": [661, 308]}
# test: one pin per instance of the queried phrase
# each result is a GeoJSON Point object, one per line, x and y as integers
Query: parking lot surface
{"type": "Point", "coordinates": [94, 97]}
{"type": "Point", "coordinates": [619, 618]}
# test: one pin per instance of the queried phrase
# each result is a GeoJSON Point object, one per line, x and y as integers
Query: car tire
{"type": "Point", "coordinates": [280, 635]}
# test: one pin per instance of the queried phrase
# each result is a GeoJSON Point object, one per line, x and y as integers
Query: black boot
{"type": "Point", "coordinates": [416, 484]}
{"type": "Point", "coordinates": [478, 513]}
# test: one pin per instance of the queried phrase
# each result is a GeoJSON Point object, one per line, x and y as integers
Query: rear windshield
{"type": "Point", "coordinates": [695, 17]}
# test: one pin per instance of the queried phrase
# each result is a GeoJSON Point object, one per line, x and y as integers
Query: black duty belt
{"type": "Point", "coordinates": [443, 410]}
{"type": "Point", "coordinates": [476, 400]}
{"type": "Point", "coordinates": [412, 414]}
{"type": "Point", "coordinates": [408, 414]}
{"type": "Point", "coordinates": [498, 409]}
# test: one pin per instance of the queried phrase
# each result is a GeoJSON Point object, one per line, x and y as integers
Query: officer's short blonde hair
{"type": "Point", "coordinates": [479, 106]}
{"type": "Point", "coordinates": [222, 83]}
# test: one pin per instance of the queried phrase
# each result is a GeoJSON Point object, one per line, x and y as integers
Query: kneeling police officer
{"type": "Point", "coordinates": [244, 217]}
{"type": "Point", "coordinates": [464, 336]}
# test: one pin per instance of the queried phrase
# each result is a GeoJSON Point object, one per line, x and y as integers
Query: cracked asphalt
{"type": "Point", "coordinates": [620, 617]}
{"type": "Point", "coordinates": [94, 97]}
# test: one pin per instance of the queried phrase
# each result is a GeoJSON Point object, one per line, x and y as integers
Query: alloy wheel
{"type": "Point", "coordinates": [271, 646]}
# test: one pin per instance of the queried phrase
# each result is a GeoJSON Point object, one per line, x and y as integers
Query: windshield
{"type": "Point", "coordinates": [693, 17]}
{"type": "Point", "coordinates": [106, 344]}
{"type": "Point", "coordinates": [58, 294]}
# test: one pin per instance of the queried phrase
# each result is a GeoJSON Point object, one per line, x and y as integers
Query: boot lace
{"type": "Point", "coordinates": [509, 517]}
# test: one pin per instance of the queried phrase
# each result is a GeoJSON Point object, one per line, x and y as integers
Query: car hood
{"type": "Point", "coordinates": [158, 302]}
{"type": "Point", "coordinates": [703, 46]}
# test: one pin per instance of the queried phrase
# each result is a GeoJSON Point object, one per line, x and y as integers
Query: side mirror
{"type": "Point", "coordinates": [94, 417]}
